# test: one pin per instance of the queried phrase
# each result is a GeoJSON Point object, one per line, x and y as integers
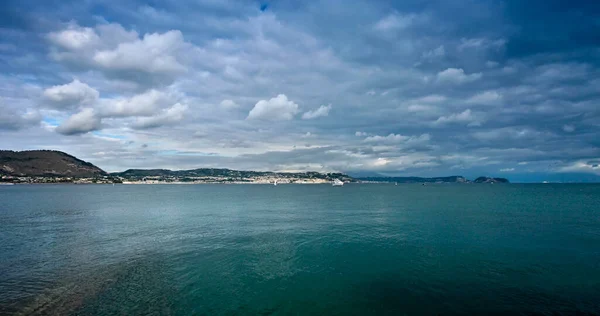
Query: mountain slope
{"type": "Point", "coordinates": [45, 163]}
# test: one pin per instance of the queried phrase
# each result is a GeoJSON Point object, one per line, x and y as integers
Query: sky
{"type": "Point", "coordinates": [396, 88]}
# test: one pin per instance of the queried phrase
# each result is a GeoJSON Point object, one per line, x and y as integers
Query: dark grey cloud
{"type": "Point", "coordinates": [16, 121]}
{"type": "Point", "coordinates": [82, 122]}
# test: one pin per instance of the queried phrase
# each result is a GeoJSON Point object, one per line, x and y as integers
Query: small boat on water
{"type": "Point", "coordinates": [275, 183]}
{"type": "Point", "coordinates": [337, 183]}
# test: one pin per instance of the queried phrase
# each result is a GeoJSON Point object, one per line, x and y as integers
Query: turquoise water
{"type": "Point", "coordinates": [299, 249]}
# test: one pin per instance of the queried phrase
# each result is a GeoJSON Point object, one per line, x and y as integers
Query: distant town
{"type": "Point", "coordinates": [266, 179]}
{"type": "Point", "coordinates": [270, 178]}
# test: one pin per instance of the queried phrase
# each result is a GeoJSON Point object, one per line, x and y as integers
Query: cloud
{"type": "Point", "coordinates": [438, 52]}
{"type": "Point", "coordinates": [583, 166]}
{"type": "Point", "coordinates": [118, 53]}
{"type": "Point", "coordinates": [480, 43]}
{"type": "Point", "coordinates": [512, 134]}
{"type": "Point", "coordinates": [433, 98]}
{"type": "Point", "coordinates": [360, 134]}
{"type": "Point", "coordinates": [421, 109]}
{"type": "Point", "coordinates": [507, 170]}
{"type": "Point", "coordinates": [169, 116]}
{"type": "Point", "coordinates": [145, 104]}
{"type": "Point", "coordinates": [322, 111]}
{"type": "Point", "coordinates": [395, 21]}
{"type": "Point", "coordinates": [150, 109]}
{"type": "Point", "coordinates": [16, 120]}
{"type": "Point", "coordinates": [397, 139]}
{"type": "Point", "coordinates": [154, 53]}
{"type": "Point", "coordinates": [228, 104]}
{"type": "Point", "coordinates": [457, 76]}
{"type": "Point", "coordinates": [278, 108]}
{"type": "Point", "coordinates": [463, 117]}
{"type": "Point", "coordinates": [79, 44]}
{"type": "Point", "coordinates": [75, 93]}
{"type": "Point", "coordinates": [82, 122]}
{"type": "Point", "coordinates": [485, 98]}
{"type": "Point", "coordinates": [75, 38]}
{"type": "Point", "coordinates": [391, 138]}
{"type": "Point", "coordinates": [491, 64]}
{"type": "Point", "coordinates": [308, 135]}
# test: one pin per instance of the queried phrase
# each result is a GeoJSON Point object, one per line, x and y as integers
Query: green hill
{"type": "Point", "coordinates": [45, 163]}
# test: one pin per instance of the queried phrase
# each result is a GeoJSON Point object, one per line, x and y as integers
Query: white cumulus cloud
{"type": "Point", "coordinates": [71, 94]}
{"type": "Point", "coordinates": [154, 53]}
{"type": "Point", "coordinates": [323, 110]}
{"type": "Point", "coordinates": [228, 104]}
{"type": "Point", "coordinates": [485, 98]}
{"type": "Point", "coordinates": [278, 108]}
{"type": "Point", "coordinates": [397, 138]}
{"type": "Point", "coordinates": [463, 117]}
{"type": "Point", "coordinates": [145, 104]}
{"type": "Point", "coordinates": [392, 138]}
{"type": "Point", "coordinates": [169, 116]}
{"type": "Point", "coordinates": [456, 75]}
{"type": "Point", "coordinates": [75, 38]}
{"type": "Point", "coordinates": [122, 54]}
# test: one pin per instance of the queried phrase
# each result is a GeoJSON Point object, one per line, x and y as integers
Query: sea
{"type": "Point", "coordinates": [291, 249]}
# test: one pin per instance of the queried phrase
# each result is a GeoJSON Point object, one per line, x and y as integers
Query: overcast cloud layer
{"type": "Point", "coordinates": [504, 88]}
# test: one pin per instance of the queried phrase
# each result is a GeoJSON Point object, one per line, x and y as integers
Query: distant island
{"type": "Point", "coordinates": [450, 179]}
{"type": "Point", "coordinates": [49, 166]}
{"type": "Point", "coordinates": [490, 180]}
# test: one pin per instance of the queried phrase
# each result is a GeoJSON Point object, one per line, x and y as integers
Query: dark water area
{"type": "Point", "coordinates": [299, 249]}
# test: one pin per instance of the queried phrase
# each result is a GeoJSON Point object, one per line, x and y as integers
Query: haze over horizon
{"type": "Point", "coordinates": [496, 88]}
